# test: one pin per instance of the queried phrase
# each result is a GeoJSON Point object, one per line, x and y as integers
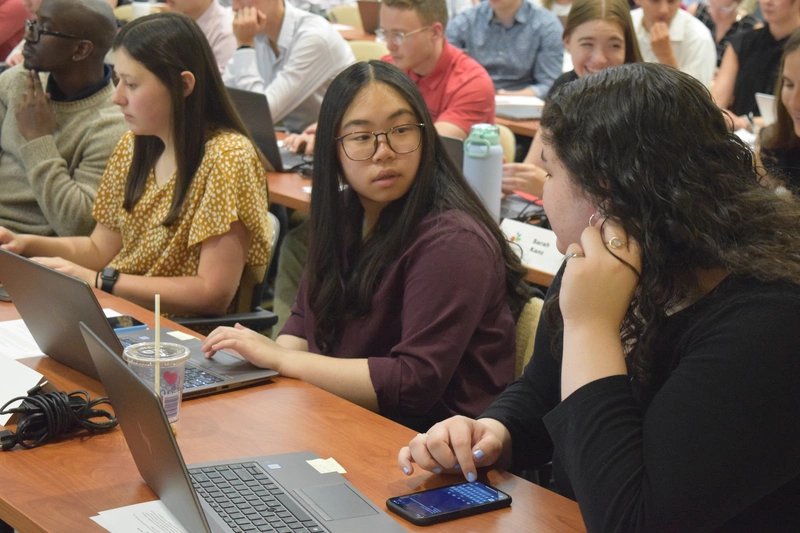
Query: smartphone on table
{"type": "Point", "coordinates": [126, 323]}
{"type": "Point", "coordinates": [448, 503]}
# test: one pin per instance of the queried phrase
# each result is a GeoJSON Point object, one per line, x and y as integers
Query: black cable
{"type": "Point", "coordinates": [45, 416]}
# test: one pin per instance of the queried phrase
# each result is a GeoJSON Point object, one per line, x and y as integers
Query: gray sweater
{"type": "Point", "coordinates": [48, 185]}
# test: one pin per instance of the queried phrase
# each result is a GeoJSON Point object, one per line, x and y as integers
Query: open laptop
{"type": "Point", "coordinates": [455, 149]}
{"type": "Point", "coordinates": [766, 106]}
{"type": "Point", "coordinates": [254, 111]}
{"type": "Point", "coordinates": [370, 14]}
{"type": "Point", "coordinates": [52, 304]}
{"type": "Point", "coordinates": [270, 493]}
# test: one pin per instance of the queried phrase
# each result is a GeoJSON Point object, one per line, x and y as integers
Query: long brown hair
{"type": "Point", "coordinates": [781, 136]}
{"type": "Point", "coordinates": [168, 44]}
{"type": "Point", "coordinates": [616, 11]}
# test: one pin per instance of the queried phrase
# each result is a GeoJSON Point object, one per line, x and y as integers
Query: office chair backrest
{"type": "Point", "coordinates": [349, 15]}
{"type": "Point", "coordinates": [508, 141]}
{"type": "Point", "coordinates": [366, 50]}
{"type": "Point", "coordinates": [527, 323]}
{"type": "Point", "coordinates": [254, 279]}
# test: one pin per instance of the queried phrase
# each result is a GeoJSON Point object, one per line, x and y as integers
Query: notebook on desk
{"type": "Point", "coordinates": [52, 304]}
{"type": "Point", "coordinates": [254, 112]}
{"type": "Point", "coordinates": [268, 493]}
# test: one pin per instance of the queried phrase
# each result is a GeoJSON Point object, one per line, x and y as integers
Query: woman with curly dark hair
{"type": "Point", "coordinates": [665, 386]}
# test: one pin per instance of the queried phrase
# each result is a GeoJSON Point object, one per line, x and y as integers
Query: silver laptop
{"type": "Point", "coordinates": [254, 112]}
{"type": "Point", "coordinates": [766, 106]}
{"type": "Point", "coordinates": [454, 147]}
{"type": "Point", "coordinates": [270, 493]}
{"type": "Point", "coordinates": [52, 303]}
{"type": "Point", "coordinates": [370, 14]}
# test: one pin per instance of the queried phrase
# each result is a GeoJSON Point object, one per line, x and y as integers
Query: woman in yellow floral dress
{"type": "Point", "coordinates": [182, 207]}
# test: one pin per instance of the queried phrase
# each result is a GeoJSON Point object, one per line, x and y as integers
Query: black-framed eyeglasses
{"type": "Point", "coordinates": [33, 31]}
{"type": "Point", "coordinates": [362, 145]}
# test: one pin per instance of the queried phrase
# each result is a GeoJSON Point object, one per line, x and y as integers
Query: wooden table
{"type": "Point", "coordinates": [357, 34]}
{"type": "Point", "coordinates": [57, 487]}
{"type": "Point", "coordinates": [520, 127]}
{"type": "Point", "coordinates": [286, 188]}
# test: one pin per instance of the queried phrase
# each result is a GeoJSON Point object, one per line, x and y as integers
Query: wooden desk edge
{"type": "Point", "coordinates": [538, 277]}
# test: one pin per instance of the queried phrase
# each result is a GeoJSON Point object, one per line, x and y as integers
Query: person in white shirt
{"type": "Point", "coordinates": [216, 23]}
{"type": "Point", "coordinates": [671, 36]}
{"type": "Point", "coordinates": [289, 55]}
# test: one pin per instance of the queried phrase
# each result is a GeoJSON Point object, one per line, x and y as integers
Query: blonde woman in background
{"type": "Point", "coordinates": [598, 34]}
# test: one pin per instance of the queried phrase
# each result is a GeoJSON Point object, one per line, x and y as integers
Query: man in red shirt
{"type": "Point", "coordinates": [456, 88]}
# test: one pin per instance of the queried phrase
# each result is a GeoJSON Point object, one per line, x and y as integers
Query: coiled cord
{"type": "Point", "coordinates": [45, 416]}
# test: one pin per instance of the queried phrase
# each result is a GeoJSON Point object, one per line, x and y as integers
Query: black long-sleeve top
{"type": "Point", "coordinates": [713, 445]}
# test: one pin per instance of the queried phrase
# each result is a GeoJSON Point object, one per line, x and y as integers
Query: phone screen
{"type": "Point", "coordinates": [453, 499]}
{"type": "Point", "coordinates": [124, 321]}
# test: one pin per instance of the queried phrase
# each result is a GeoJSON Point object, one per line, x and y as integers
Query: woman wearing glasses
{"type": "Point", "coordinates": [410, 292]}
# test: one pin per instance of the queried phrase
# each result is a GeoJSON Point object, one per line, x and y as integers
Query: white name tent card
{"type": "Point", "coordinates": [535, 246]}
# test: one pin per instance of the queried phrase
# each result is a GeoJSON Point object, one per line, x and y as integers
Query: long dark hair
{"type": "Point", "coordinates": [647, 144]}
{"type": "Point", "coordinates": [168, 44]}
{"type": "Point", "coordinates": [341, 288]}
{"type": "Point", "coordinates": [781, 136]}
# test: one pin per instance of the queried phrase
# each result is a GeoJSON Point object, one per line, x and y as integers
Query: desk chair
{"type": "Point", "coordinates": [348, 15]}
{"type": "Point", "coordinates": [126, 12]}
{"type": "Point", "coordinates": [508, 141]}
{"type": "Point", "coordinates": [366, 50]}
{"type": "Point", "coordinates": [246, 305]}
{"type": "Point", "coordinates": [527, 324]}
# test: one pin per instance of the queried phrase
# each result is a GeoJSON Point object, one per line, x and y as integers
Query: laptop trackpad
{"type": "Point", "coordinates": [335, 502]}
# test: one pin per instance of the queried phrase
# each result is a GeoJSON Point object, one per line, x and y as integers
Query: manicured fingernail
{"type": "Point", "coordinates": [406, 470]}
{"type": "Point", "coordinates": [471, 477]}
{"type": "Point", "coordinates": [457, 466]}
{"type": "Point", "coordinates": [437, 470]}
{"type": "Point", "coordinates": [478, 454]}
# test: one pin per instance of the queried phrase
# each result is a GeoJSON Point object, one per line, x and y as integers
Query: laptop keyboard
{"type": "Point", "coordinates": [248, 500]}
{"type": "Point", "coordinates": [195, 376]}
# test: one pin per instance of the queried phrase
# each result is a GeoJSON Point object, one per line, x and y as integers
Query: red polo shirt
{"type": "Point", "coordinates": [12, 25]}
{"type": "Point", "coordinates": [458, 89]}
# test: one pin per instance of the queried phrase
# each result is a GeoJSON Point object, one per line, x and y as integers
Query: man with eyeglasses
{"type": "Point", "coordinates": [457, 89]}
{"type": "Point", "coordinates": [287, 54]}
{"type": "Point", "coordinates": [58, 126]}
{"type": "Point", "coordinates": [518, 43]}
